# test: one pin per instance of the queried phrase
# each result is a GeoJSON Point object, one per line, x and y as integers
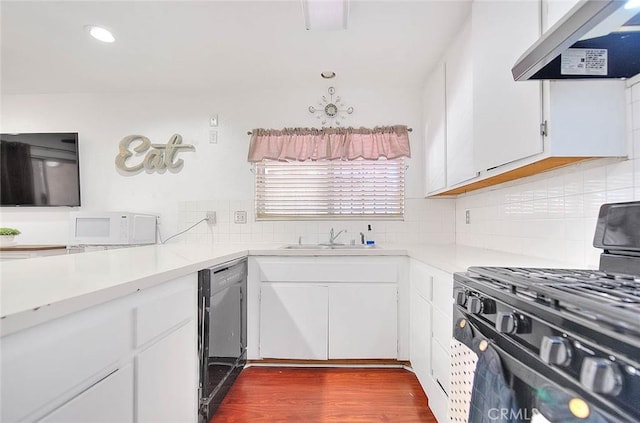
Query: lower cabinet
{"type": "Point", "coordinates": [363, 321]}
{"type": "Point", "coordinates": [431, 331]}
{"type": "Point", "coordinates": [293, 321]}
{"type": "Point", "coordinates": [328, 308]}
{"type": "Point", "coordinates": [108, 401]}
{"type": "Point", "coordinates": [130, 359]}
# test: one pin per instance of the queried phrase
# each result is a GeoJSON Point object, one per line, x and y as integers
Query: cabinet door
{"type": "Point", "coordinates": [507, 114]}
{"type": "Point", "coordinates": [108, 401]}
{"type": "Point", "coordinates": [420, 338]}
{"type": "Point", "coordinates": [363, 321]}
{"type": "Point", "coordinates": [167, 378]}
{"type": "Point", "coordinates": [554, 10]}
{"type": "Point", "coordinates": [459, 110]}
{"type": "Point", "coordinates": [435, 130]}
{"type": "Point", "coordinates": [293, 321]}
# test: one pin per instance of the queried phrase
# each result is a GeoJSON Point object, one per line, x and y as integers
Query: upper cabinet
{"type": "Point", "coordinates": [435, 130]}
{"type": "Point", "coordinates": [459, 108]}
{"type": "Point", "coordinates": [506, 114]}
{"type": "Point", "coordinates": [448, 117]}
{"type": "Point", "coordinates": [497, 129]}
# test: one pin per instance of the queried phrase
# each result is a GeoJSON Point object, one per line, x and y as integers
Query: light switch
{"type": "Point", "coordinates": [213, 120]}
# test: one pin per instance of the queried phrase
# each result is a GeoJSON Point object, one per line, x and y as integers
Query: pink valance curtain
{"type": "Point", "coordinates": [301, 144]}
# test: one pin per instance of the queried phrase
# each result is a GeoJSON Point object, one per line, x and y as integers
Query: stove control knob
{"type": "Point", "coordinates": [555, 350]}
{"type": "Point", "coordinates": [474, 305]}
{"type": "Point", "coordinates": [461, 297]}
{"type": "Point", "coordinates": [507, 322]}
{"type": "Point", "coordinates": [601, 376]}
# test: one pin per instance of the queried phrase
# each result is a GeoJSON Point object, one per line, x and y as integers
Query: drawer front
{"type": "Point", "coordinates": [49, 360]}
{"type": "Point", "coordinates": [422, 281]}
{"type": "Point", "coordinates": [319, 269]}
{"type": "Point", "coordinates": [443, 292]}
{"type": "Point", "coordinates": [108, 401]}
{"type": "Point", "coordinates": [440, 363]}
{"type": "Point", "coordinates": [164, 307]}
{"type": "Point", "coordinates": [442, 330]}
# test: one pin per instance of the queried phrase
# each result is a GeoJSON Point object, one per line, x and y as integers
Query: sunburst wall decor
{"type": "Point", "coordinates": [331, 110]}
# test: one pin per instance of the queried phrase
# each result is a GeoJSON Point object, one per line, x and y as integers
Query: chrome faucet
{"type": "Point", "coordinates": [332, 237]}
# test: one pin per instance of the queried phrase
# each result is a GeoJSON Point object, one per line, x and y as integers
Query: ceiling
{"type": "Point", "coordinates": [208, 45]}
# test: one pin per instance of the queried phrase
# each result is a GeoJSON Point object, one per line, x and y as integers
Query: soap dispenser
{"type": "Point", "coordinates": [370, 241]}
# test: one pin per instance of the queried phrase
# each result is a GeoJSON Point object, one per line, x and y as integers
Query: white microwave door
{"type": "Point", "coordinates": [93, 227]}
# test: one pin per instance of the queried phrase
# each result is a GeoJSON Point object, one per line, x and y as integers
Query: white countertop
{"type": "Point", "coordinates": [36, 290]}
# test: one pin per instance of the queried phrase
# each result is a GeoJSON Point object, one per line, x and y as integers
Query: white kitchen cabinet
{"type": "Point", "coordinates": [517, 129]}
{"type": "Point", "coordinates": [363, 321]}
{"type": "Point", "coordinates": [328, 308]}
{"type": "Point", "coordinates": [554, 10]}
{"type": "Point", "coordinates": [506, 113]}
{"type": "Point", "coordinates": [459, 108]}
{"type": "Point", "coordinates": [293, 321]}
{"type": "Point", "coordinates": [431, 331]}
{"type": "Point", "coordinates": [95, 359]}
{"type": "Point", "coordinates": [166, 378]}
{"type": "Point", "coordinates": [108, 401]}
{"type": "Point", "coordinates": [435, 130]}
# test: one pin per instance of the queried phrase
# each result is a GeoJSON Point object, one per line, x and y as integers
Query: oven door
{"type": "Point", "coordinates": [541, 397]}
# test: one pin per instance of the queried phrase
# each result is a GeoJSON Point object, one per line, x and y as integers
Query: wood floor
{"type": "Point", "coordinates": [286, 394]}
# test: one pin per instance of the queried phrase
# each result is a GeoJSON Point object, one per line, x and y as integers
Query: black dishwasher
{"type": "Point", "coordinates": [222, 336]}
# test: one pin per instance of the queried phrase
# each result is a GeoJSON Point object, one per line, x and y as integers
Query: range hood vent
{"type": "Point", "coordinates": [596, 39]}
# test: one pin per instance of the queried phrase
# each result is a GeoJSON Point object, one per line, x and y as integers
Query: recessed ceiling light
{"type": "Point", "coordinates": [100, 33]}
{"type": "Point", "coordinates": [328, 74]}
{"type": "Point", "coordinates": [632, 4]}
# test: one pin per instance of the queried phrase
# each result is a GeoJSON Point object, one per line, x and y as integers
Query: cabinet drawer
{"type": "Point", "coordinates": [108, 401]}
{"type": "Point", "coordinates": [443, 293]}
{"type": "Point", "coordinates": [422, 281]}
{"type": "Point", "coordinates": [164, 307]}
{"type": "Point", "coordinates": [442, 330]}
{"type": "Point", "coordinates": [382, 269]}
{"type": "Point", "coordinates": [44, 362]}
{"type": "Point", "coordinates": [440, 363]}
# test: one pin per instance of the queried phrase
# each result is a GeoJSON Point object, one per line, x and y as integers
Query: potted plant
{"type": "Point", "coordinates": [7, 235]}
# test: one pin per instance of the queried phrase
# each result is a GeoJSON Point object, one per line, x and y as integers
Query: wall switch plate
{"type": "Point", "coordinates": [467, 217]}
{"type": "Point", "coordinates": [213, 120]}
{"type": "Point", "coordinates": [211, 217]}
{"type": "Point", "coordinates": [240, 217]}
{"type": "Point", "coordinates": [213, 137]}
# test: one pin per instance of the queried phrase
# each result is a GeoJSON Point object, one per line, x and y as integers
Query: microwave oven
{"type": "Point", "coordinates": [112, 228]}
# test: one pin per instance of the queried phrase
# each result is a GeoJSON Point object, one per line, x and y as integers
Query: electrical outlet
{"type": "Point", "coordinates": [213, 137]}
{"type": "Point", "coordinates": [240, 217]}
{"type": "Point", "coordinates": [211, 217]}
{"type": "Point", "coordinates": [467, 217]}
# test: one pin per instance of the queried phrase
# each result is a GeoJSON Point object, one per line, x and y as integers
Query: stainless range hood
{"type": "Point", "coordinates": [596, 39]}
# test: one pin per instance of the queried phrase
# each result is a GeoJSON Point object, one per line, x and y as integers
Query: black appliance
{"type": "Point", "coordinates": [39, 169]}
{"type": "Point", "coordinates": [222, 336]}
{"type": "Point", "coordinates": [570, 335]}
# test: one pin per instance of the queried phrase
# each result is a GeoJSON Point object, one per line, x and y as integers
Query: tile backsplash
{"type": "Point", "coordinates": [553, 215]}
{"type": "Point", "coordinates": [429, 221]}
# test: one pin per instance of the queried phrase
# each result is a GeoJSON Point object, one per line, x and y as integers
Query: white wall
{"type": "Point", "coordinates": [553, 215]}
{"type": "Point", "coordinates": [215, 176]}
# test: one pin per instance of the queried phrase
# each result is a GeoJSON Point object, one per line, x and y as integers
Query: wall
{"type": "Point", "coordinates": [215, 176]}
{"type": "Point", "coordinates": [553, 215]}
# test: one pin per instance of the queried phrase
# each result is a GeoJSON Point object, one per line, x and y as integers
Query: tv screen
{"type": "Point", "coordinates": [39, 169]}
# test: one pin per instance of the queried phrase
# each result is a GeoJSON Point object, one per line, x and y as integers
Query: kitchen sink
{"type": "Point", "coordinates": [327, 247]}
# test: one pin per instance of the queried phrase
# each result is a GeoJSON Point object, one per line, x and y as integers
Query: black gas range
{"type": "Point", "coordinates": [575, 333]}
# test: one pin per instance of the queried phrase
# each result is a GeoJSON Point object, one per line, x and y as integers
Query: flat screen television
{"type": "Point", "coordinates": [39, 169]}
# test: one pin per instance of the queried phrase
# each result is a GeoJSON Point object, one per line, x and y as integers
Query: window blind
{"type": "Point", "coordinates": [326, 189]}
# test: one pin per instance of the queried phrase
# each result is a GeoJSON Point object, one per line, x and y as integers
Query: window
{"type": "Point", "coordinates": [330, 189]}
